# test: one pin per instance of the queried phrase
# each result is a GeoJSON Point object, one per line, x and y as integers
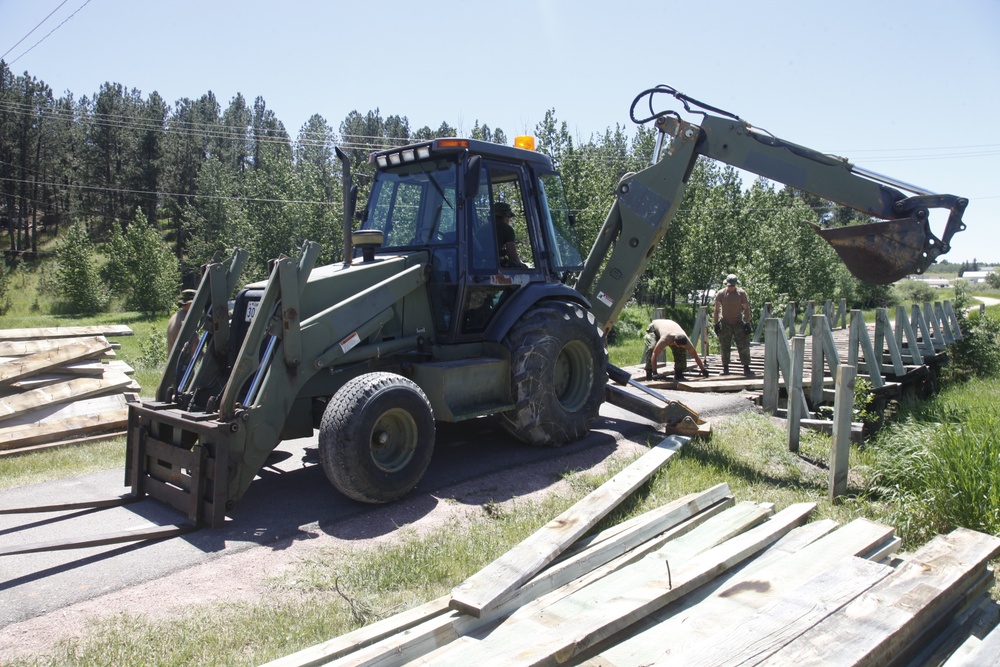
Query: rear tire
{"type": "Point", "coordinates": [558, 374]}
{"type": "Point", "coordinates": [376, 437]}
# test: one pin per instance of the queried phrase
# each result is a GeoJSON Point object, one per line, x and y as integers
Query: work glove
{"type": "Point", "coordinates": [717, 328]}
{"type": "Point", "coordinates": [747, 328]}
{"type": "Point", "coordinates": [704, 372]}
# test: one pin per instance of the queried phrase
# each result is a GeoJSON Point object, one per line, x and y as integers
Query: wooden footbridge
{"type": "Point", "coordinates": [906, 352]}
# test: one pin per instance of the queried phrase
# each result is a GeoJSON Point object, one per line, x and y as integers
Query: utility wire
{"type": "Point", "coordinates": [49, 32]}
{"type": "Point", "coordinates": [34, 29]}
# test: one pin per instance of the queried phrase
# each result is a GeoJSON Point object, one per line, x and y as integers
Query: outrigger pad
{"type": "Point", "coordinates": [882, 252]}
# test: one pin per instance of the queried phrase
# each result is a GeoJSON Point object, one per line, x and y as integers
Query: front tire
{"type": "Point", "coordinates": [558, 374]}
{"type": "Point", "coordinates": [376, 437]}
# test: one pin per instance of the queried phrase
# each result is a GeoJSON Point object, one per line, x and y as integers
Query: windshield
{"type": "Point", "coordinates": [414, 205]}
{"type": "Point", "coordinates": [558, 225]}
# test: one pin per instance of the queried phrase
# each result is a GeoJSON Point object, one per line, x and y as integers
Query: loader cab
{"type": "Point", "coordinates": [442, 197]}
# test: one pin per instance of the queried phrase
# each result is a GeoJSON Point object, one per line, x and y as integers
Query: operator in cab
{"type": "Point", "coordinates": [506, 239]}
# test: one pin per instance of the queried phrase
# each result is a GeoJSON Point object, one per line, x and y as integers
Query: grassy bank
{"type": "Point", "coordinates": [938, 467]}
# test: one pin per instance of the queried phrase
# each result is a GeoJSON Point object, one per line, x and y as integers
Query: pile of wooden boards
{"type": "Point", "coordinates": [60, 385]}
{"type": "Point", "coordinates": [703, 580]}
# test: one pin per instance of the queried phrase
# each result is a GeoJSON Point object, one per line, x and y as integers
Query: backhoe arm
{"type": "Point", "coordinates": [645, 203]}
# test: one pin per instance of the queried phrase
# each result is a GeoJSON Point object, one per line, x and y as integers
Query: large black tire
{"type": "Point", "coordinates": [377, 437]}
{"type": "Point", "coordinates": [558, 374]}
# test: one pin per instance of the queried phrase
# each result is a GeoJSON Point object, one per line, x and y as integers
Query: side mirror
{"type": "Point", "coordinates": [472, 177]}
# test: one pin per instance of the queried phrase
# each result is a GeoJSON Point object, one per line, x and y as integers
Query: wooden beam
{"type": "Point", "coordinates": [323, 653]}
{"type": "Point", "coordinates": [778, 572]}
{"type": "Point", "coordinates": [109, 330]}
{"type": "Point", "coordinates": [481, 591]}
{"type": "Point", "coordinates": [33, 364]}
{"type": "Point", "coordinates": [560, 642]}
{"type": "Point", "coordinates": [879, 624]}
{"type": "Point", "coordinates": [106, 413]}
{"type": "Point", "coordinates": [63, 392]}
{"type": "Point", "coordinates": [22, 348]}
{"type": "Point", "coordinates": [558, 580]}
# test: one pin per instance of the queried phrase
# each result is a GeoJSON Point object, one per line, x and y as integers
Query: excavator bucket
{"type": "Point", "coordinates": [881, 252]}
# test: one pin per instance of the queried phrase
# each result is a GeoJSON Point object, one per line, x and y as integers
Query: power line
{"type": "Point", "coordinates": [34, 29]}
{"type": "Point", "coordinates": [87, 2]}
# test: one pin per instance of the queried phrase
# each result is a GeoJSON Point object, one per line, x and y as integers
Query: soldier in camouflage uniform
{"type": "Point", "coordinates": [732, 321]}
{"type": "Point", "coordinates": [661, 334]}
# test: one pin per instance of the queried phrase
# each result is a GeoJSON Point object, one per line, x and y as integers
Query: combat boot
{"type": "Point", "coordinates": [649, 373]}
{"type": "Point", "coordinates": [725, 369]}
{"type": "Point", "coordinates": [748, 372]}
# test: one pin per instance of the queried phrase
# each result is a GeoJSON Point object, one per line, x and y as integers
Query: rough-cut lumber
{"type": "Point", "coordinates": [482, 591]}
{"type": "Point", "coordinates": [323, 653]}
{"type": "Point", "coordinates": [769, 629]}
{"type": "Point", "coordinates": [802, 555]}
{"type": "Point", "coordinates": [63, 392]}
{"type": "Point", "coordinates": [13, 370]}
{"type": "Point", "coordinates": [108, 330]}
{"type": "Point", "coordinates": [112, 415]}
{"type": "Point", "coordinates": [977, 652]}
{"type": "Point", "coordinates": [558, 640]}
{"type": "Point", "coordinates": [677, 518]}
{"type": "Point", "coordinates": [22, 348]}
{"type": "Point", "coordinates": [879, 624]}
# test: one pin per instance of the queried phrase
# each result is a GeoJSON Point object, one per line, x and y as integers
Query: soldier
{"type": "Point", "coordinates": [732, 320]}
{"type": "Point", "coordinates": [662, 334]}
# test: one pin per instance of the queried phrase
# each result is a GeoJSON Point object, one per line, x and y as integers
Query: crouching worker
{"type": "Point", "coordinates": [661, 334]}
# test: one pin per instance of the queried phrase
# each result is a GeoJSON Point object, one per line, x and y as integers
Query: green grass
{"type": "Point", "coordinates": [937, 469]}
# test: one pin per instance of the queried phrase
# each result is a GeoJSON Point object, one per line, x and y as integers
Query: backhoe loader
{"type": "Point", "coordinates": [423, 322]}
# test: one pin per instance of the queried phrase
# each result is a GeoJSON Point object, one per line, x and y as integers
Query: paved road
{"type": "Point", "coordinates": [290, 499]}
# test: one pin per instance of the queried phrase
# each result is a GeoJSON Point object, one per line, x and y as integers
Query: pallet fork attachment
{"type": "Point", "coordinates": [121, 537]}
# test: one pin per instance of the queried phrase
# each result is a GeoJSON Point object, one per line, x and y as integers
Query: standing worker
{"type": "Point", "coordinates": [732, 320]}
{"type": "Point", "coordinates": [661, 334]}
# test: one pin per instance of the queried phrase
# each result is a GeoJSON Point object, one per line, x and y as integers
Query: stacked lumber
{"type": "Point", "coordinates": [60, 385]}
{"type": "Point", "coordinates": [703, 580]}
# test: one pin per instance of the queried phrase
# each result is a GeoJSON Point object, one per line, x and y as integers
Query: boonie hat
{"type": "Point", "coordinates": [731, 279]}
{"type": "Point", "coordinates": [502, 209]}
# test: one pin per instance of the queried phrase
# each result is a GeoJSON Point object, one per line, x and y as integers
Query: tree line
{"type": "Point", "coordinates": [201, 179]}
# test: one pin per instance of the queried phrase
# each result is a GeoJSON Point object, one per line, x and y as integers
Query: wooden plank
{"type": "Point", "coordinates": [83, 407]}
{"type": "Point", "coordinates": [52, 430]}
{"type": "Point", "coordinates": [563, 641]}
{"type": "Point", "coordinates": [843, 410]}
{"type": "Point", "coordinates": [878, 625]}
{"type": "Point", "coordinates": [63, 392]}
{"type": "Point", "coordinates": [420, 642]}
{"type": "Point", "coordinates": [72, 442]}
{"type": "Point", "coordinates": [767, 631]}
{"type": "Point", "coordinates": [108, 330]}
{"type": "Point", "coordinates": [22, 348]}
{"type": "Point", "coordinates": [677, 518]}
{"type": "Point", "coordinates": [976, 652]}
{"type": "Point", "coordinates": [33, 364]}
{"type": "Point", "coordinates": [323, 653]}
{"type": "Point", "coordinates": [702, 618]}
{"type": "Point", "coordinates": [481, 591]}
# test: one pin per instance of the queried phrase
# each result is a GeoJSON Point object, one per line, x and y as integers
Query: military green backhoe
{"type": "Point", "coordinates": [424, 322]}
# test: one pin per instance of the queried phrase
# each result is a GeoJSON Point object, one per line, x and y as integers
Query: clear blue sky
{"type": "Point", "coordinates": [906, 88]}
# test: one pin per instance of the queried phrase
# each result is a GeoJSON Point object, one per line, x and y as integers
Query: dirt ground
{"type": "Point", "coordinates": [244, 576]}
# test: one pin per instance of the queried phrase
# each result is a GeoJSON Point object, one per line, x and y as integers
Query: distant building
{"type": "Point", "coordinates": [933, 282]}
{"type": "Point", "coordinates": [976, 277]}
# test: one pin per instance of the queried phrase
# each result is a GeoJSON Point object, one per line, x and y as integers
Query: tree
{"type": "Point", "coordinates": [144, 269]}
{"type": "Point", "coordinates": [77, 280]}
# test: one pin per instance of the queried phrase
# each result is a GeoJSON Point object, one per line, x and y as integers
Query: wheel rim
{"type": "Point", "coordinates": [573, 375]}
{"type": "Point", "coordinates": [393, 440]}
